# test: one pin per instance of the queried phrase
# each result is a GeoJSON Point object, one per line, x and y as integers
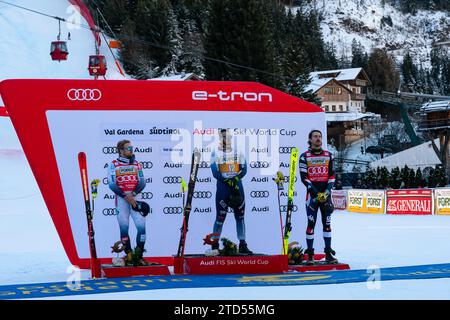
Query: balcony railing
{"type": "Point", "coordinates": [434, 124]}
{"type": "Point", "coordinates": [358, 96]}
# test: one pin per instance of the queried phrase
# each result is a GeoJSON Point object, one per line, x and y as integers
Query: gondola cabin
{"type": "Point", "coordinates": [58, 51]}
{"type": "Point", "coordinates": [97, 65]}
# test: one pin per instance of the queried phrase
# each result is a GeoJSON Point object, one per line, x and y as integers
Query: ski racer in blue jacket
{"type": "Point", "coordinates": [229, 167]}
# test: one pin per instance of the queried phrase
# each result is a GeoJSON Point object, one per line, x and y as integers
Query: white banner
{"type": "Point", "coordinates": [164, 141]}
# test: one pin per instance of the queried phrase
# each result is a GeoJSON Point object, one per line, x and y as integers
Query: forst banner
{"type": "Point", "coordinates": [366, 201]}
{"type": "Point", "coordinates": [414, 201]}
{"type": "Point", "coordinates": [442, 201]}
{"type": "Point", "coordinates": [165, 122]}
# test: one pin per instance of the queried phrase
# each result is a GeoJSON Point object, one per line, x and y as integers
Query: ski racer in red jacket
{"type": "Point", "coordinates": [317, 174]}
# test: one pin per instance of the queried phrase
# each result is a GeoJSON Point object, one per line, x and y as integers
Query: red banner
{"type": "Point", "coordinates": [418, 202]}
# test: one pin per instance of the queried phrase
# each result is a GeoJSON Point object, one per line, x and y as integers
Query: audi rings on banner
{"type": "Point", "coordinates": [84, 94]}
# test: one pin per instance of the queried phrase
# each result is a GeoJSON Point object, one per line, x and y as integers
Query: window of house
{"type": "Point", "coordinates": [333, 108]}
{"type": "Point", "coordinates": [328, 91]}
{"type": "Point", "coordinates": [341, 107]}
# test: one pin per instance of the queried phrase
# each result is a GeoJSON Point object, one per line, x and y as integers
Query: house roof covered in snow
{"type": "Point", "coordinates": [436, 106]}
{"type": "Point", "coordinates": [420, 156]}
{"type": "Point", "coordinates": [321, 78]}
{"type": "Point", "coordinates": [348, 116]}
{"type": "Point", "coordinates": [178, 77]}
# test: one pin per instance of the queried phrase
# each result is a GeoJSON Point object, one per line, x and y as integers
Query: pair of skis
{"type": "Point", "coordinates": [195, 163]}
{"type": "Point", "coordinates": [95, 264]}
{"type": "Point", "coordinates": [290, 202]}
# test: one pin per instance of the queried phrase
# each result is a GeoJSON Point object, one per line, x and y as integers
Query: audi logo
{"type": "Point", "coordinates": [283, 208]}
{"type": "Point", "coordinates": [129, 178]}
{"type": "Point", "coordinates": [259, 194]}
{"type": "Point", "coordinates": [109, 150]}
{"type": "Point", "coordinates": [202, 194]}
{"type": "Point", "coordinates": [285, 150]}
{"type": "Point", "coordinates": [109, 212]}
{"type": "Point", "coordinates": [146, 164]}
{"type": "Point", "coordinates": [204, 165]}
{"type": "Point", "coordinates": [84, 94]}
{"type": "Point", "coordinates": [146, 195]}
{"type": "Point", "coordinates": [172, 210]}
{"type": "Point", "coordinates": [171, 180]}
{"type": "Point", "coordinates": [259, 164]}
{"type": "Point", "coordinates": [286, 179]}
{"type": "Point", "coordinates": [318, 170]}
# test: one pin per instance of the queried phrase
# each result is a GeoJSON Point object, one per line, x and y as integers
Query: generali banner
{"type": "Point", "coordinates": [339, 198]}
{"type": "Point", "coordinates": [418, 202]}
{"type": "Point", "coordinates": [442, 201]}
{"type": "Point", "coordinates": [165, 121]}
{"type": "Point", "coordinates": [366, 201]}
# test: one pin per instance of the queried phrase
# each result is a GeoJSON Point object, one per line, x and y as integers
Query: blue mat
{"type": "Point", "coordinates": [57, 289]}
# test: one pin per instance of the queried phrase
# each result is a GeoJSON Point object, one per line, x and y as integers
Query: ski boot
{"type": "Point", "coordinates": [214, 251]}
{"type": "Point", "coordinates": [329, 256]}
{"type": "Point", "coordinates": [243, 248]}
{"type": "Point", "coordinates": [139, 259]}
{"type": "Point", "coordinates": [310, 261]}
{"type": "Point", "coordinates": [128, 259]}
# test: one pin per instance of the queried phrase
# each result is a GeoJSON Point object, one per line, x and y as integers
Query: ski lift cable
{"type": "Point", "coordinates": [148, 43]}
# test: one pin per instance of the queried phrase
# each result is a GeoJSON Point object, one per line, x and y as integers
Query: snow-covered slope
{"type": "Point", "coordinates": [25, 39]}
{"type": "Point", "coordinates": [376, 25]}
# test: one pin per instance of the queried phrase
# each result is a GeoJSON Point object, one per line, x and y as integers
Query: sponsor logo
{"type": "Point", "coordinates": [204, 165]}
{"type": "Point", "coordinates": [354, 201]}
{"type": "Point", "coordinates": [146, 164]}
{"type": "Point", "coordinates": [84, 94]}
{"type": "Point", "coordinates": [260, 150]}
{"type": "Point", "coordinates": [203, 210]}
{"type": "Point", "coordinates": [109, 150]}
{"type": "Point", "coordinates": [208, 179]}
{"type": "Point", "coordinates": [286, 179]}
{"type": "Point", "coordinates": [172, 180]}
{"type": "Point", "coordinates": [255, 179]}
{"type": "Point", "coordinates": [410, 205]}
{"type": "Point", "coordinates": [109, 212]}
{"type": "Point", "coordinates": [128, 178]}
{"type": "Point", "coordinates": [260, 209]}
{"type": "Point", "coordinates": [259, 194]}
{"type": "Point", "coordinates": [209, 132]}
{"type": "Point", "coordinates": [318, 170]}
{"type": "Point", "coordinates": [165, 131]}
{"type": "Point", "coordinates": [232, 96]}
{"type": "Point", "coordinates": [173, 195]}
{"type": "Point", "coordinates": [202, 194]}
{"type": "Point", "coordinates": [172, 210]}
{"type": "Point", "coordinates": [146, 195]}
{"type": "Point", "coordinates": [283, 208]}
{"type": "Point", "coordinates": [374, 202]}
{"type": "Point", "coordinates": [443, 202]}
{"type": "Point", "coordinates": [285, 150]}
{"type": "Point", "coordinates": [173, 165]}
{"type": "Point", "coordinates": [253, 132]}
{"type": "Point", "coordinates": [259, 164]}
{"type": "Point", "coordinates": [286, 194]}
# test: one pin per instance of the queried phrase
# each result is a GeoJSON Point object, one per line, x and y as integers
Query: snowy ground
{"type": "Point", "coordinates": [32, 252]}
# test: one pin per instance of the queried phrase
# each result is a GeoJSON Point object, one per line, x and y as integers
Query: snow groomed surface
{"type": "Point", "coordinates": [58, 289]}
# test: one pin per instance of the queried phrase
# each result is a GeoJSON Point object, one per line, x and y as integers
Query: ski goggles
{"type": "Point", "coordinates": [130, 148]}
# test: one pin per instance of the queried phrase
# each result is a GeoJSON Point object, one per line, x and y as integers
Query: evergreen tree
{"type": "Point", "coordinates": [382, 72]}
{"type": "Point", "coordinates": [370, 179]}
{"type": "Point", "coordinates": [394, 178]}
{"type": "Point", "coordinates": [419, 181]}
{"type": "Point", "coordinates": [411, 179]}
{"type": "Point", "coordinates": [410, 73]}
{"type": "Point", "coordinates": [384, 177]}
{"type": "Point", "coordinates": [359, 56]}
{"type": "Point", "coordinates": [238, 34]}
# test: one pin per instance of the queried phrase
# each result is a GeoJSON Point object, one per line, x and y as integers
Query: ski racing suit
{"type": "Point", "coordinates": [225, 166]}
{"type": "Point", "coordinates": [125, 176]}
{"type": "Point", "coordinates": [317, 174]}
